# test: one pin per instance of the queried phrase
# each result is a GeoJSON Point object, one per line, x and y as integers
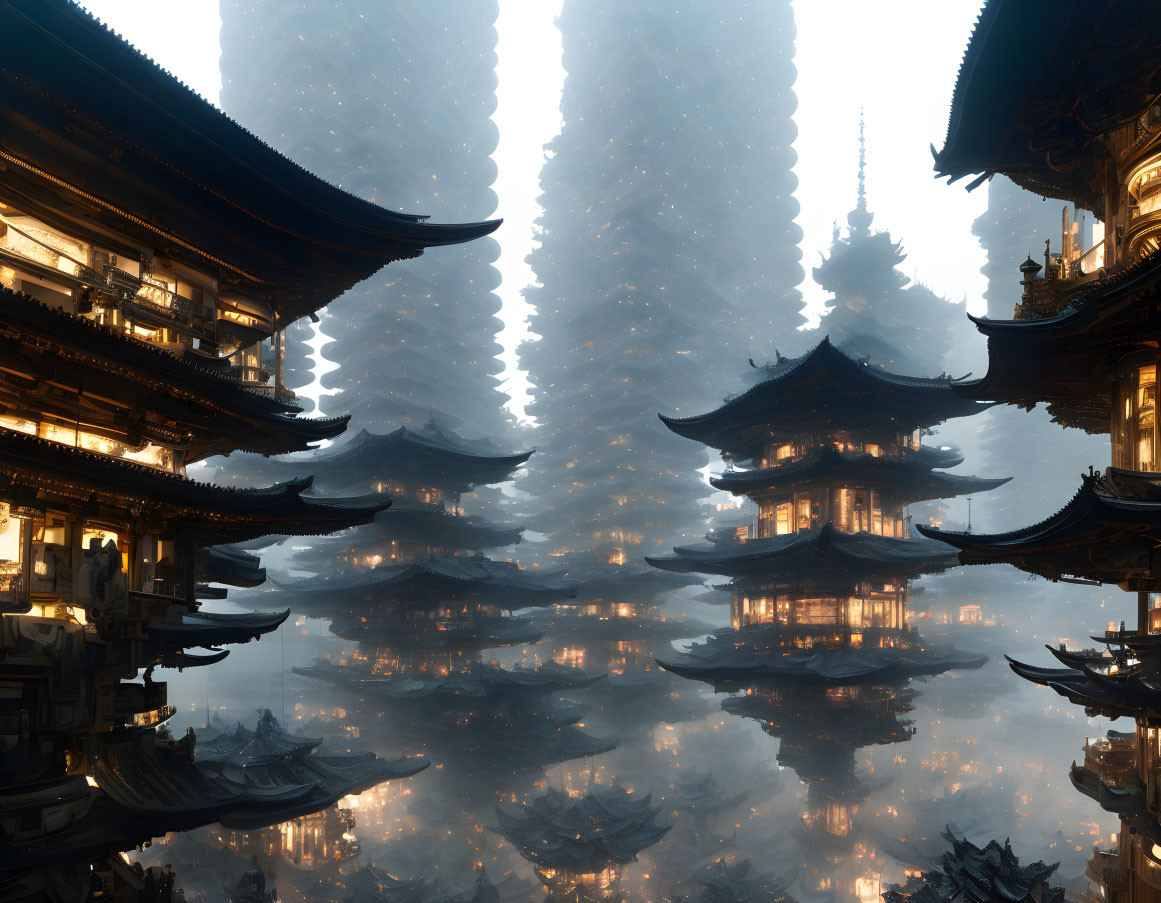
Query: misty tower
{"type": "Point", "coordinates": [394, 93]}
{"type": "Point", "coordinates": [874, 313]}
{"type": "Point", "coordinates": [669, 250]}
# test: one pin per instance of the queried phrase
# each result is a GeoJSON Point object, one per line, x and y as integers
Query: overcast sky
{"type": "Point", "coordinates": [895, 59]}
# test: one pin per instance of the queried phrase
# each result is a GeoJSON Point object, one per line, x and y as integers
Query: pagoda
{"type": "Point", "coordinates": [821, 645]}
{"type": "Point", "coordinates": [1076, 117]}
{"type": "Point", "coordinates": [835, 455]}
{"type": "Point", "coordinates": [148, 247]}
{"type": "Point", "coordinates": [434, 662]}
{"type": "Point", "coordinates": [873, 312]}
{"type": "Point", "coordinates": [741, 882]}
{"type": "Point", "coordinates": [968, 874]}
{"type": "Point", "coordinates": [580, 846]}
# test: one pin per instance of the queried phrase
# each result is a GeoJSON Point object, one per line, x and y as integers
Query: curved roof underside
{"type": "Point", "coordinates": [1040, 83]}
{"type": "Point", "coordinates": [1106, 533]}
{"type": "Point", "coordinates": [90, 121]}
{"type": "Point", "coordinates": [907, 478]}
{"type": "Point", "coordinates": [170, 502]}
{"type": "Point", "coordinates": [1067, 361]}
{"type": "Point", "coordinates": [823, 388]}
{"type": "Point", "coordinates": [427, 455]}
{"type": "Point", "coordinates": [745, 655]}
{"type": "Point", "coordinates": [823, 552]}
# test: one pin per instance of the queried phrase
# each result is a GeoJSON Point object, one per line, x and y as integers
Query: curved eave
{"type": "Point", "coordinates": [907, 479]}
{"type": "Point", "coordinates": [825, 384]}
{"type": "Point", "coordinates": [1066, 361]}
{"type": "Point", "coordinates": [716, 663]}
{"type": "Point", "coordinates": [1111, 697]}
{"type": "Point", "coordinates": [96, 114]}
{"type": "Point", "coordinates": [807, 551]}
{"type": "Point", "coordinates": [201, 397]}
{"type": "Point", "coordinates": [208, 630]}
{"type": "Point", "coordinates": [445, 462]}
{"type": "Point", "coordinates": [405, 636]}
{"type": "Point", "coordinates": [1102, 534]}
{"type": "Point", "coordinates": [212, 513]}
{"type": "Point", "coordinates": [419, 583]}
{"type": "Point", "coordinates": [1039, 84]}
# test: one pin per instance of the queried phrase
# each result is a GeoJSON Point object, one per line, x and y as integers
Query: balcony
{"type": "Point", "coordinates": [1113, 759]}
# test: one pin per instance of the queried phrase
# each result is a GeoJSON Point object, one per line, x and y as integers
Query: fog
{"type": "Point", "coordinates": [706, 204]}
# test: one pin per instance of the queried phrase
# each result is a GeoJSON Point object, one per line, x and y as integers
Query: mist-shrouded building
{"type": "Point", "coordinates": [148, 245]}
{"type": "Point", "coordinates": [1079, 120]}
{"type": "Point", "coordinates": [668, 253]}
{"type": "Point", "coordinates": [874, 313]}
{"type": "Point", "coordinates": [399, 94]}
{"type": "Point", "coordinates": [1037, 453]}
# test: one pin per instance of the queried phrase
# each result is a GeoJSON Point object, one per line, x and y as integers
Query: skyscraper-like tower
{"type": "Point", "coordinates": [398, 93]}
{"type": "Point", "coordinates": [669, 249]}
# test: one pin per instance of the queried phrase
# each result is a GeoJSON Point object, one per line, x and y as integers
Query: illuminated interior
{"type": "Point", "coordinates": [1134, 425]}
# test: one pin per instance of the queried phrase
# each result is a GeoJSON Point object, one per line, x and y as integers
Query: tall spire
{"type": "Point", "coordinates": [859, 219]}
{"type": "Point", "coordinates": [862, 164]}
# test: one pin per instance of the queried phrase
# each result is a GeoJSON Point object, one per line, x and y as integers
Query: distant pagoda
{"type": "Point", "coordinates": [423, 605]}
{"type": "Point", "coordinates": [739, 882]}
{"type": "Point", "coordinates": [969, 874]}
{"type": "Point", "coordinates": [873, 312]}
{"type": "Point", "coordinates": [148, 248]}
{"type": "Point", "coordinates": [820, 640]}
{"type": "Point", "coordinates": [1075, 116]}
{"type": "Point", "coordinates": [579, 846]}
{"type": "Point", "coordinates": [835, 454]}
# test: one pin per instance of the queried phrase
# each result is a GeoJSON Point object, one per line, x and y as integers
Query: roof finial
{"type": "Point", "coordinates": [862, 205]}
{"type": "Point", "coordinates": [860, 218]}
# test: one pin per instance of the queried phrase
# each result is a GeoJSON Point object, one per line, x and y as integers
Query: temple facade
{"type": "Point", "coordinates": [148, 247]}
{"type": "Point", "coordinates": [1083, 127]}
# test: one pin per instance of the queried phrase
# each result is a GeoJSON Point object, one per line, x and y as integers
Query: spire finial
{"type": "Point", "coordinates": [862, 205]}
{"type": "Point", "coordinates": [860, 218]}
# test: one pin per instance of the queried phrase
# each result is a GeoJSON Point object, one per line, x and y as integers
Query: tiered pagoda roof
{"type": "Point", "coordinates": [818, 729]}
{"type": "Point", "coordinates": [1119, 682]}
{"type": "Point", "coordinates": [210, 514]}
{"type": "Point", "coordinates": [481, 680]}
{"type": "Point", "coordinates": [116, 378]}
{"type": "Point", "coordinates": [231, 566]}
{"type": "Point", "coordinates": [1065, 360]}
{"type": "Point", "coordinates": [1104, 534]}
{"type": "Point", "coordinates": [826, 390]}
{"type": "Point", "coordinates": [178, 631]}
{"type": "Point", "coordinates": [979, 875]}
{"type": "Point", "coordinates": [412, 523]}
{"type": "Point", "coordinates": [1039, 86]}
{"type": "Point", "coordinates": [824, 552]}
{"type": "Point", "coordinates": [607, 826]}
{"type": "Point", "coordinates": [701, 794]}
{"type": "Point", "coordinates": [430, 580]}
{"type": "Point", "coordinates": [913, 475]}
{"type": "Point", "coordinates": [752, 654]}
{"type": "Point", "coordinates": [425, 456]}
{"type": "Point", "coordinates": [75, 99]}
{"type": "Point", "coordinates": [737, 883]}
{"type": "Point", "coordinates": [148, 786]}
